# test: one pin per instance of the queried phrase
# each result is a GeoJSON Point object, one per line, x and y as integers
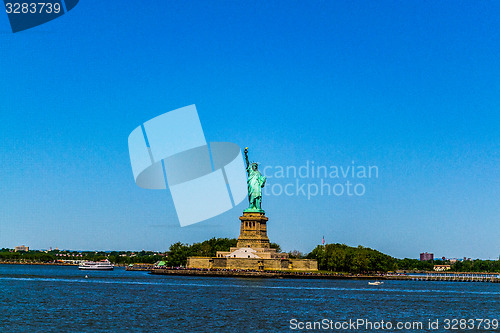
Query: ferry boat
{"type": "Point", "coordinates": [103, 265]}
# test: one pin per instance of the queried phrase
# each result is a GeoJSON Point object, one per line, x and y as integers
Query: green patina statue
{"type": "Point", "coordinates": [255, 183]}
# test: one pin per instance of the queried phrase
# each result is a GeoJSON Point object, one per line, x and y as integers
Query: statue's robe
{"type": "Point", "coordinates": [255, 183]}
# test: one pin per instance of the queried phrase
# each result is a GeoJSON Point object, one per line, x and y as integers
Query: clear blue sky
{"type": "Point", "coordinates": [413, 88]}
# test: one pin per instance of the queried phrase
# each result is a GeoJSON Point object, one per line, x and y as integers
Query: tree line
{"type": "Point", "coordinates": [116, 257]}
{"type": "Point", "coordinates": [343, 258]}
{"type": "Point", "coordinates": [347, 259]}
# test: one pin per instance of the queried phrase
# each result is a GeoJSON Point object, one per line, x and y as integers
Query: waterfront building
{"type": "Point", "coordinates": [426, 256]}
{"type": "Point", "coordinates": [21, 248]}
{"type": "Point", "coordinates": [441, 268]}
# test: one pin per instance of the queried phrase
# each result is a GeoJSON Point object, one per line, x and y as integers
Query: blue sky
{"type": "Point", "coordinates": [412, 88]}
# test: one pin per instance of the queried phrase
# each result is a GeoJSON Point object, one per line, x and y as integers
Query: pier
{"type": "Point", "coordinates": [451, 277]}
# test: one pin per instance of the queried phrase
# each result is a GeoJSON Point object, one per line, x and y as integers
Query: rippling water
{"type": "Point", "coordinates": [60, 299]}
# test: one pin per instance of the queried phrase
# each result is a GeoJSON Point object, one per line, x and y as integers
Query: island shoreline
{"type": "Point", "coordinates": [456, 277]}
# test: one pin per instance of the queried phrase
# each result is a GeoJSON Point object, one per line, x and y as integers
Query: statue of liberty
{"type": "Point", "coordinates": [255, 183]}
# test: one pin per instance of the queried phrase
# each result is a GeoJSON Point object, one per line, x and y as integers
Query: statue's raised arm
{"type": "Point", "coordinates": [246, 160]}
{"type": "Point", "coordinates": [255, 183]}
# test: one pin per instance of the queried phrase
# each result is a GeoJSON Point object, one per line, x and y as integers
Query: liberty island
{"type": "Point", "coordinates": [253, 251]}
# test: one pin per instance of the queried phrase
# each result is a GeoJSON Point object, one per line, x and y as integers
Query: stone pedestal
{"type": "Point", "coordinates": [253, 232]}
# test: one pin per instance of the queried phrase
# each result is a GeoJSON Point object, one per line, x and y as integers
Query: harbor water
{"type": "Point", "coordinates": [38, 298]}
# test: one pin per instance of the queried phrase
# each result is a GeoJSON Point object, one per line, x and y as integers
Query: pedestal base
{"type": "Point", "coordinates": [253, 232]}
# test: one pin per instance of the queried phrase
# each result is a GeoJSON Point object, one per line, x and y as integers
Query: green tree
{"type": "Point", "coordinates": [343, 258]}
{"type": "Point", "coordinates": [178, 254]}
{"type": "Point", "coordinates": [275, 246]}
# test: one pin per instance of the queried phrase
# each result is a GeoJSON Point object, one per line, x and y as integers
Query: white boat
{"type": "Point", "coordinates": [103, 265]}
{"type": "Point", "coordinates": [376, 283]}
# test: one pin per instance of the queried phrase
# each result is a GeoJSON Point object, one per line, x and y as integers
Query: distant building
{"type": "Point", "coordinates": [426, 256]}
{"type": "Point", "coordinates": [441, 268]}
{"type": "Point", "coordinates": [22, 248]}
